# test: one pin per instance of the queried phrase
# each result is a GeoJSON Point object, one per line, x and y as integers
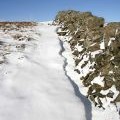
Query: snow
{"type": "Point", "coordinates": [112, 58]}
{"type": "Point", "coordinates": [107, 100]}
{"type": "Point", "coordinates": [93, 44]}
{"type": "Point", "coordinates": [102, 45]}
{"type": "Point", "coordinates": [79, 48]}
{"type": "Point", "coordinates": [33, 85]}
{"type": "Point", "coordinates": [110, 41]}
{"type": "Point", "coordinates": [98, 80]}
{"type": "Point", "coordinates": [110, 72]}
{"type": "Point", "coordinates": [95, 53]}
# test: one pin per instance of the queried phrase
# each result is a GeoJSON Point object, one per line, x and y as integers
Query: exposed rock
{"type": "Point", "coordinates": [110, 94]}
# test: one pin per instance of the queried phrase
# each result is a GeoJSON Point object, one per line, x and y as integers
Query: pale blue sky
{"type": "Point", "coordinates": [44, 10]}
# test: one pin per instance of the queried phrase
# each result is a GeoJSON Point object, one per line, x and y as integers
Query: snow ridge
{"type": "Point", "coordinates": [86, 102]}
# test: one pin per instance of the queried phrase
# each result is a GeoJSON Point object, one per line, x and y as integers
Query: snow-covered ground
{"type": "Point", "coordinates": [38, 82]}
{"type": "Point", "coordinates": [33, 84]}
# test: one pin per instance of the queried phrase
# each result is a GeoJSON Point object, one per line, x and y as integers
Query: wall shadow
{"type": "Point", "coordinates": [83, 99]}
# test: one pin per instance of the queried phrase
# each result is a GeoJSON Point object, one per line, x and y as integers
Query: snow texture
{"type": "Point", "coordinates": [33, 84]}
{"type": "Point", "coordinates": [39, 82]}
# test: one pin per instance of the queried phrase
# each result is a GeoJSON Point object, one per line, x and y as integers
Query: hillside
{"type": "Point", "coordinates": [46, 76]}
{"type": "Point", "coordinates": [94, 47]}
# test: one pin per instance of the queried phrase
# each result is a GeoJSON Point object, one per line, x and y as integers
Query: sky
{"type": "Point", "coordinates": [45, 10]}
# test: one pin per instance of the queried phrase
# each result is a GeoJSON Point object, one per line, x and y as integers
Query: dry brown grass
{"type": "Point", "coordinates": [18, 24]}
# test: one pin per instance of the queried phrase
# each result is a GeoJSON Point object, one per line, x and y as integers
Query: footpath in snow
{"type": "Point", "coordinates": [35, 87]}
